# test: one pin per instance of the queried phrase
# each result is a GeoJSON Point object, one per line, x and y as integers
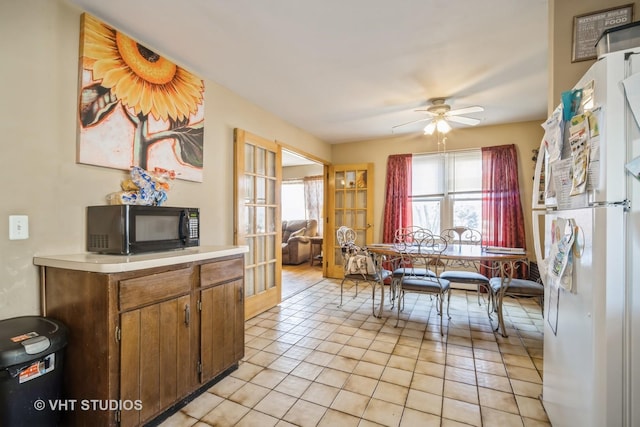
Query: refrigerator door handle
{"type": "Point", "coordinates": [537, 243]}
{"type": "Point", "coordinates": [538, 194]}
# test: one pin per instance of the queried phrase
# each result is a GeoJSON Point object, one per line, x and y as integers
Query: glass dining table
{"type": "Point", "coordinates": [501, 261]}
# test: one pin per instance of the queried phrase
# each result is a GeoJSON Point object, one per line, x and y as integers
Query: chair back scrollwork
{"type": "Point", "coordinates": [345, 236]}
{"type": "Point", "coordinates": [422, 249]}
{"type": "Point", "coordinates": [462, 236]}
{"type": "Point", "coordinates": [459, 237]}
{"type": "Point", "coordinates": [406, 235]}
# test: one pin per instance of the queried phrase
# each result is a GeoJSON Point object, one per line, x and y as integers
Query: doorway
{"type": "Point", "coordinates": [302, 198]}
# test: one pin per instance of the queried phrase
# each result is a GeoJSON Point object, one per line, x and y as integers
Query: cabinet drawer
{"type": "Point", "coordinates": [221, 271]}
{"type": "Point", "coordinates": [155, 287]}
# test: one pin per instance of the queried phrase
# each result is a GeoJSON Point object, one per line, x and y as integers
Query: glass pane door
{"type": "Point", "coordinates": [258, 166]}
{"type": "Point", "coordinates": [351, 205]}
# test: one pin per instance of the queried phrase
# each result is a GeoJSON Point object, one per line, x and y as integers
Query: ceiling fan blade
{"type": "Point", "coordinates": [464, 120]}
{"type": "Point", "coordinates": [431, 113]}
{"type": "Point", "coordinates": [413, 121]}
{"type": "Point", "coordinates": [467, 110]}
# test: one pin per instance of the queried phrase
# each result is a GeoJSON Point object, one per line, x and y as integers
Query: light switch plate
{"type": "Point", "coordinates": [18, 227]}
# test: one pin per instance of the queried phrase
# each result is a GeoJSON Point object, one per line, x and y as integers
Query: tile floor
{"type": "Point", "coordinates": [310, 363]}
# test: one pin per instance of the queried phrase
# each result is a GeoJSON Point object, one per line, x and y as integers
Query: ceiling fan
{"type": "Point", "coordinates": [439, 114]}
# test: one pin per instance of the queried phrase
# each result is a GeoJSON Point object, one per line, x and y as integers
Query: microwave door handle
{"type": "Point", "coordinates": [184, 226]}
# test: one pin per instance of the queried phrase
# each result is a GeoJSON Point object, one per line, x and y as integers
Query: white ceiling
{"type": "Point", "coordinates": [348, 70]}
{"type": "Point", "coordinates": [289, 158]}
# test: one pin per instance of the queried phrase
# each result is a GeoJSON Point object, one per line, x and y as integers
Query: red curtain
{"type": "Point", "coordinates": [502, 217]}
{"type": "Point", "coordinates": [397, 206]}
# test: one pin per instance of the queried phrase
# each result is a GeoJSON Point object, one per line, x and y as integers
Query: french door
{"type": "Point", "coordinates": [350, 203]}
{"type": "Point", "coordinates": [257, 224]}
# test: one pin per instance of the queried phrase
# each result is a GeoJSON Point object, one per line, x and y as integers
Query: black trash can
{"type": "Point", "coordinates": [31, 361]}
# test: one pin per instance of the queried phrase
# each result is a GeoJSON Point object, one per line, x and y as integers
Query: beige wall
{"type": "Point", "coordinates": [526, 136]}
{"type": "Point", "coordinates": [563, 74]}
{"type": "Point", "coordinates": [41, 179]}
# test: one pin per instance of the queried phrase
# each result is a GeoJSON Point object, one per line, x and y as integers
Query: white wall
{"type": "Point", "coordinates": [39, 42]}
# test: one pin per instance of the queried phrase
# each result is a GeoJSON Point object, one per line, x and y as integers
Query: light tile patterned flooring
{"type": "Point", "coordinates": [310, 363]}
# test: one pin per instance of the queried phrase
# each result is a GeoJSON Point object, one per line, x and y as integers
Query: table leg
{"type": "Point", "coordinates": [500, 326]}
{"type": "Point", "coordinates": [378, 259]}
{"type": "Point", "coordinates": [507, 270]}
{"type": "Point", "coordinates": [373, 303]}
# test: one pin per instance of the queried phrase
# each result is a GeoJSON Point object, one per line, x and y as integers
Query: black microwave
{"type": "Point", "coordinates": [132, 229]}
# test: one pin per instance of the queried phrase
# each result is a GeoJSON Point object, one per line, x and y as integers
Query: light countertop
{"type": "Point", "coordinates": [98, 263]}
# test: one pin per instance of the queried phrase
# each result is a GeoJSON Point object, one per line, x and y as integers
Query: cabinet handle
{"type": "Point", "coordinates": [240, 293]}
{"type": "Point", "coordinates": [187, 314]}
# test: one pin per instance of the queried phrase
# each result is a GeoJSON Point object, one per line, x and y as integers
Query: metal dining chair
{"type": "Point", "coordinates": [462, 271]}
{"type": "Point", "coordinates": [423, 249]}
{"type": "Point", "coordinates": [404, 238]}
{"type": "Point", "coordinates": [507, 286]}
{"type": "Point", "coordinates": [358, 265]}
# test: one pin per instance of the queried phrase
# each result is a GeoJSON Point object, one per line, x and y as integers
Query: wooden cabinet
{"type": "Point", "coordinates": [142, 341]}
{"type": "Point", "coordinates": [222, 319]}
{"type": "Point", "coordinates": [155, 350]}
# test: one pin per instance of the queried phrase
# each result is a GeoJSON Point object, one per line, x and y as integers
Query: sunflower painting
{"type": "Point", "coordinates": [137, 108]}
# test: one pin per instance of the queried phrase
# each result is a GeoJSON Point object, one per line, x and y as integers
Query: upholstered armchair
{"type": "Point", "coordinates": [296, 246]}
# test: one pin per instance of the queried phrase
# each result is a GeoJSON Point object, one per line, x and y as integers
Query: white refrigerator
{"type": "Point", "coordinates": [586, 222]}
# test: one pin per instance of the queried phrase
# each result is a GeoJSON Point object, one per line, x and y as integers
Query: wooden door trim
{"type": "Point", "coordinates": [325, 195]}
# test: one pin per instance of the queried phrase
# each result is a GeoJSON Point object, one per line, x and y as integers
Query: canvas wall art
{"type": "Point", "coordinates": [136, 108]}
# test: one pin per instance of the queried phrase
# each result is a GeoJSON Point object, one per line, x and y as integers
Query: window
{"type": "Point", "coordinates": [292, 200]}
{"type": "Point", "coordinates": [447, 190]}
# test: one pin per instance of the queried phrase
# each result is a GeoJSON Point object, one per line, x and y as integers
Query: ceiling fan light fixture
{"type": "Point", "coordinates": [430, 128]}
{"type": "Point", "coordinates": [443, 126]}
{"type": "Point", "coordinates": [439, 114]}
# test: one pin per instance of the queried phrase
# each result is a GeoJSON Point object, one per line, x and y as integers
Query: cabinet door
{"type": "Point", "coordinates": [222, 328]}
{"type": "Point", "coordinates": [155, 358]}
{"type": "Point", "coordinates": [212, 319]}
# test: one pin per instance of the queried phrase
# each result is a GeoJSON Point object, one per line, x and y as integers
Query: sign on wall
{"type": "Point", "coordinates": [588, 28]}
